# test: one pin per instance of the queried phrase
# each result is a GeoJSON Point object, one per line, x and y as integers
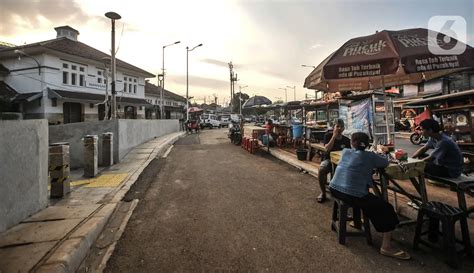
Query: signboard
{"type": "Point", "coordinates": [96, 85]}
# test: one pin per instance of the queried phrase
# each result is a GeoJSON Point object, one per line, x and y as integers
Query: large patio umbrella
{"type": "Point", "coordinates": [194, 110]}
{"type": "Point", "coordinates": [389, 58]}
{"type": "Point", "coordinates": [256, 101]}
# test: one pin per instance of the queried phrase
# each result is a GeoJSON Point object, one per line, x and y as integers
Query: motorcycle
{"type": "Point", "coordinates": [402, 125]}
{"type": "Point", "coordinates": [417, 137]}
{"type": "Point", "coordinates": [235, 133]}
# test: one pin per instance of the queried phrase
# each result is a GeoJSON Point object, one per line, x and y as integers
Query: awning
{"type": "Point", "coordinates": [442, 98]}
{"type": "Point", "coordinates": [90, 97]}
{"type": "Point", "coordinates": [13, 96]}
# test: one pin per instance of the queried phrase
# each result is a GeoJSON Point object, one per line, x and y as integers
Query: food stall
{"type": "Point", "coordinates": [319, 115]}
{"type": "Point", "coordinates": [456, 114]}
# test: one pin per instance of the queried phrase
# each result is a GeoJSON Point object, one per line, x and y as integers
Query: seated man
{"type": "Point", "coordinates": [333, 141]}
{"type": "Point", "coordinates": [446, 160]}
{"type": "Point", "coordinates": [269, 131]}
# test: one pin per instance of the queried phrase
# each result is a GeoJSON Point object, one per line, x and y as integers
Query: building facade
{"type": "Point", "coordinates": [64, 81]}
{"type": "Point", "coordinates": [174, 105]}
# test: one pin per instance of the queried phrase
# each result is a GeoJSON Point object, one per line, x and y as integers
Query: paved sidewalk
{"type": "Point", "coordinates": [58, 238]}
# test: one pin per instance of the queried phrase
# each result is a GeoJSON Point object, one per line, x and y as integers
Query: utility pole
{"type": "Point", "coordinates": [113, 16]}
{"type": "Point", "coordinates": [231, 70]}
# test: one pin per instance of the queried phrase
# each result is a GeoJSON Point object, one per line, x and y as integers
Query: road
{"type": "Point", "coordinates": [212, 207]}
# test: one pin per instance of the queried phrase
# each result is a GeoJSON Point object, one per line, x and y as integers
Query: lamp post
{"type": "Point", "coordinates": [187, 78]}
{"type": "Point", "coordinates": [113, 16]}
{"type": "Point", "coordinates": [160, 84]}
{"type": "Point", "coordinates": [163, 77]}
{"type": "Point", "coordinates": [240, 96]}
{"type": "Point", "coordinates": [294, 91]}
{"type": "Point", "coordinates": [286, 94]}
{"type": "Point", "coordinates": [21, 52]}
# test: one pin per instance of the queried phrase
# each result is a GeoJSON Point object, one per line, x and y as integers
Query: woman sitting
{"type": "Point", "coordinates": [351, 183]}
{"type": "Point", "coordinates": [269, 131]}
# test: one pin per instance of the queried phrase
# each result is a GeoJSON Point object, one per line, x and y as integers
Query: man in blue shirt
{"type": "Point", "coordinates": [446, 160]}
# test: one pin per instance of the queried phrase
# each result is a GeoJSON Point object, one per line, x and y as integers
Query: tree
{"type": "Point", "coordinates": [236, 103]}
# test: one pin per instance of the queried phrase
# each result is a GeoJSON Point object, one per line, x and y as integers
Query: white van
{"type": "Point", "coordinates": [210, 121]}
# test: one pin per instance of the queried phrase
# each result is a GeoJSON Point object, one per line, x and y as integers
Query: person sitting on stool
{"type": "Point", "coordinates": [446, 160]}
{"type": "Point", "coordinates": [333, 141]}
{"type": "Point", "coordinates": [351, 184]}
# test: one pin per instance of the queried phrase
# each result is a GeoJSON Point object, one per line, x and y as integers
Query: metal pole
{"type": "Point", "coordinates": [187, 84]}
{"type": "Point", "coordinates": [240, 99]}
{"type": "Point", "coordinates": [114, 102]}
{"type": "Point", "coordinates": [162, 85]}
{"type": "Point", "coordinates": [389, 137]}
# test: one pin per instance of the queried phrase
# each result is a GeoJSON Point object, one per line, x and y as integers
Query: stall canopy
{"type": "Point", "coordinates": [256, 101]}
{"type": "Point", "coordinates": [389, 58]}
{"type": "Point", "coordinates": [194, 110]}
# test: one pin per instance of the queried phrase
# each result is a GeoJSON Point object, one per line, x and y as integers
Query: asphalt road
{"type": "Point", "coordinates": [213, 207]}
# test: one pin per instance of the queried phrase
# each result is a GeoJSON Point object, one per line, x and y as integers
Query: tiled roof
{"type": "Point", "coordinates": [11, 95]}
{"type": "Point", "coordinates": [4, 70]}
{"type": "Point", "coordinates": [151, 89]}
{"type": "Point", "coordinates": [82, 96]}
{"type": "Point", "coordinates": [76, 48]}
{"type": "Point", "coordinates": [6, 45]}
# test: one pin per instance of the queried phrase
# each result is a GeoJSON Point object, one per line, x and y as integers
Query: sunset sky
{"type": "Point", "coordinates": [266, 40]}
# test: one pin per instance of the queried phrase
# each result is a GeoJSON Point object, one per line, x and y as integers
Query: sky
{"type": "Point", "coordinates": [267, 40]}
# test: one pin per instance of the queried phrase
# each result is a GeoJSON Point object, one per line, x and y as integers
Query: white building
{"type": "Point", "coordinates": [64, 81]}
{"type": "Point", "coordinates": [174, 105]}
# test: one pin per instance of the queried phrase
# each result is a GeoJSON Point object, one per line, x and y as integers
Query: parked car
{"type": "Point", "coordinates": [248, 119]}
{"type": "Point", "coordinates": [210, 121]}
{"type": "Point", "coordinates": [224, 120]}
{"type": "Point", "coordinates": [236, 118]}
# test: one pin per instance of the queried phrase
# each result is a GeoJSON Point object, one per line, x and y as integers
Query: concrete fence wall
{"type": "Point", "coordinates": [73, 134]}
{"type": "Point", "coordinates": [23, 170]}
{"type": "Point", "coordinates": [135, 132]}
{"type": "Point", "coordinates": [128, 133]}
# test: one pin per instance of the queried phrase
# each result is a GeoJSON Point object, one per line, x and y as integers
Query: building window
{"type": "Point", "coordinates": [65, 77]}
{"type": "Point", "coordinates": [130, 88]}
{"type": "Point", "coordinates": [125, 87]}
{"type": "Point", "coordinates": [77, 73]}
{"type": "Point", "coordinates": [54, 102]}
{"type": "Point", "coordinates": [99, 80]}
{"type": "Point", "coordinates": [135, 88]}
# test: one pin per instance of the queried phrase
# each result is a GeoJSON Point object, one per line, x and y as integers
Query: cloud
{"type": "Point", "coordinates": [200, 81]}
{"type": "Point", "coordinates": [315, 46]}
{"type": "Point", "coordinates": [31, 14]}
{"type": "Point", "coordinates": [216, 62]}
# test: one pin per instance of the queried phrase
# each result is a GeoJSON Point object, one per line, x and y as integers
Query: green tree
{"type": "Point", "coordinates": [236, 103]}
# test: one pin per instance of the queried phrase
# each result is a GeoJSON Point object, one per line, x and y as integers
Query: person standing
{"type": "Point", "coordinates": [333, 141]}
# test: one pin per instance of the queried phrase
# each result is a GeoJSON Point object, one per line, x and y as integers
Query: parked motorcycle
{"type": "Point", "coordinates": [235, 133]}
{"type": "Point", "coordinates": [417, 137]}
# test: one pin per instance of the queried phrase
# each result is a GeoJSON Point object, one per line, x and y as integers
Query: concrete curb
{"type": "Point", "coordinates": [68, 256]}
{"type": "Point", "coordinates": [117, 197]}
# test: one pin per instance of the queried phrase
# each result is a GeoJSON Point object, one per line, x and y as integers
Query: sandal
{"type": "Point", "coordinates": [398, 254]}
{"type": "Point", "coordinates": [321, 198]}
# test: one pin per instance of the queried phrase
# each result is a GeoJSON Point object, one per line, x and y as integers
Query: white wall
{"type": "Point", "coordinates": [23, 169]}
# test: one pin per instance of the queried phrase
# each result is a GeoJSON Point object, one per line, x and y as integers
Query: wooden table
{"type": "Point", "coordinates": [251, 131]}
{"type": "Point", "coordinates": [414, 172]}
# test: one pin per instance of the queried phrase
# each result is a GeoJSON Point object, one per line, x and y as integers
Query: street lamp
{"type": "Point", "coordinates": [310, 66]}
{"type": "Point", "coordinates": [163, 77]}
{"type": "Point", "coordinates": [294, 91]}
{"type": "Point", "coordinates": [21, 52]}
{"type": "Point", "coordinates": [113, 16]}
{"type": "Point", "coordinates": [187, 78]}
{"type": "Point", "coordinates": [286, 94]}
{"type": "Point", "coordinates": [240, 96]}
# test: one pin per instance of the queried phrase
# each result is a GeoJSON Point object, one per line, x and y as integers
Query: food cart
{"type": "Point", "coordinates": [319, 115]}
{"type": "Point", "coordinates": [456, 114]}
{"type": "Point", "coordinates": [365, 112]}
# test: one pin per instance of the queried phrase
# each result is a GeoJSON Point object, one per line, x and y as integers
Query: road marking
{"type": "Point", "coordinates": [102, 181]}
